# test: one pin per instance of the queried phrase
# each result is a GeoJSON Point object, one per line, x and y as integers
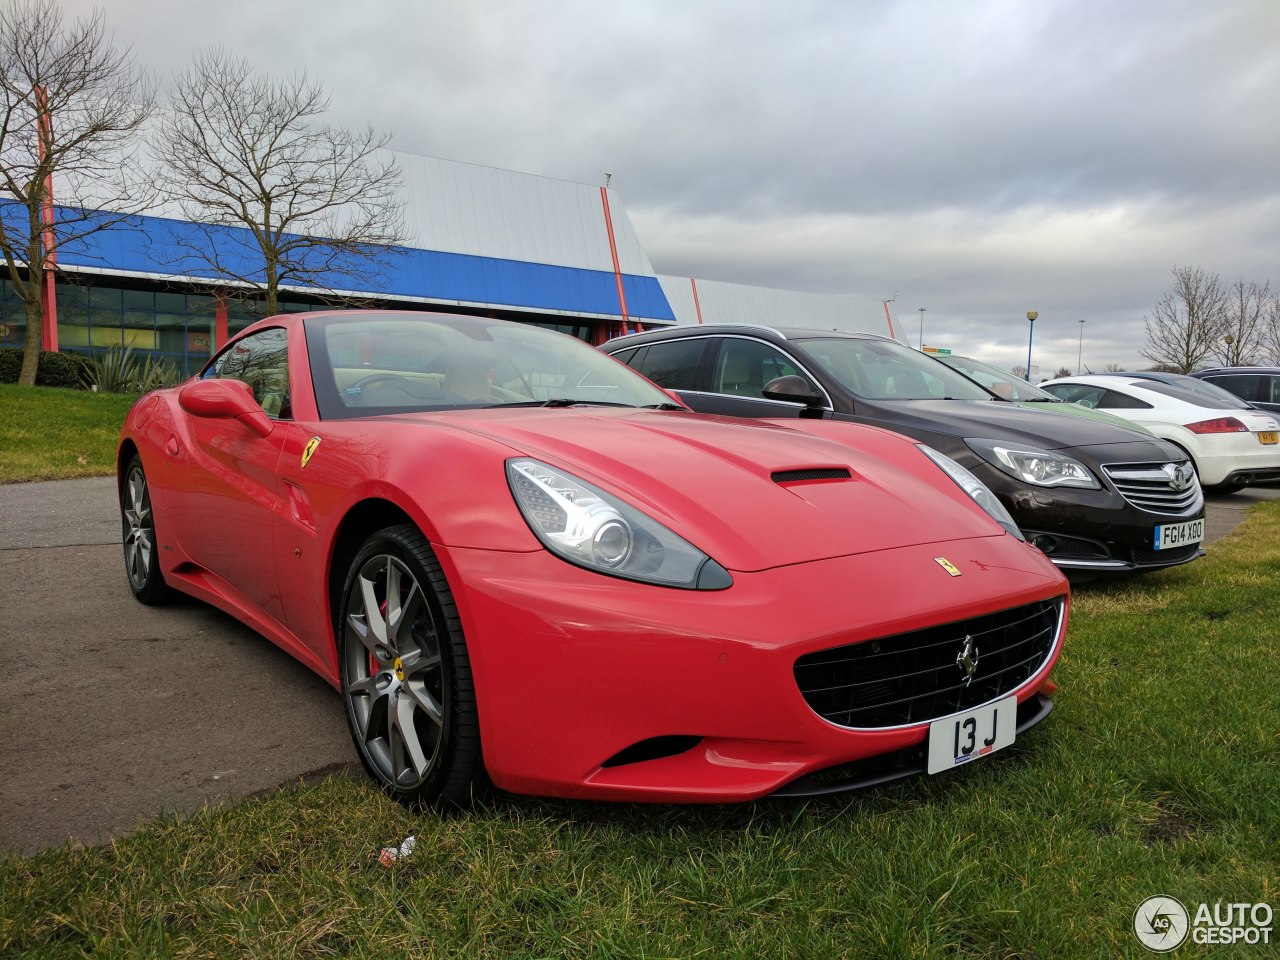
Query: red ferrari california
{"type": "Point", "coordinates": [522, 565]}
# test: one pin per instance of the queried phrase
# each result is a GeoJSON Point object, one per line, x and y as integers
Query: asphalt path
{"type": "Point", "coordinates": [112, 712]}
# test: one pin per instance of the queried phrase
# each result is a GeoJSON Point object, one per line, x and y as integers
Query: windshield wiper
{"type": "Point", "coordinates": [558, 402]}
{"type": "Point", "coordinates": [1043, 400]}
{"type": "Point", "coordinates": [662, 406]}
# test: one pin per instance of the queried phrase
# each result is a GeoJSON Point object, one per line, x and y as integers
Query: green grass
{"type": "Point", "coordinates": [50, 433]}
{"type": "Point", "coordinates": [1156, 774]}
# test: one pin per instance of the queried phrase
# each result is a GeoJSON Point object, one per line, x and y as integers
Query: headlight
{"type": "Point", "coordinates": [588, 527]}
{"type": "Point", "coordinates": [975, 488]}
{"type": "Point", "coordinates": [1040, 467]}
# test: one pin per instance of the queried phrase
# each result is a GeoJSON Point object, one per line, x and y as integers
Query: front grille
{"type": "Point", "coordinates": [1060, 547]}
{"type": "Point", "coordinates": [915, 678]}
{"type": "Point", "coordinates": [1175, 555]}
{"type": "Point", "coordinates": [817, 473]}
{"type": "Point", "coordinates": [1148, 487]}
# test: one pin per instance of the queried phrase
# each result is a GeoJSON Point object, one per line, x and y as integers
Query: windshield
{"type": "Point", "coordinates": [364, 364]}
{"type": "Point", "coordinates": [887, 370]}
{"type": "Point", "coordinates": [1000, 382]}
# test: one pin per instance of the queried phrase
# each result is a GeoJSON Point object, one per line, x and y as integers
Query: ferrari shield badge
{"type": "Point", "coordinates": [943, 562]}
{"type": "Point", "coordinates": [308, 450]}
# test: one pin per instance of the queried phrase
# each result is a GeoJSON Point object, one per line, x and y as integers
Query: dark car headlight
{"type": "Point", "coordinates": [588, 527]}
{"type": "Point", "coordinates": [1043, 468]}
{"type": "Point", "coordinates": [975, 488]}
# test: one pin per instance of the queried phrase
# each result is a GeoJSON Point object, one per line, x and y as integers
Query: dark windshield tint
{"type": "Point", "coordinates": [887, 370]}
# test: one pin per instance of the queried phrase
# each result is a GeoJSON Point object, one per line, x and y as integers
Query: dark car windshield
{"type": "Point", "coordinates": [887, 370]}
{"type": "Point", "coordinates": [373, 363]}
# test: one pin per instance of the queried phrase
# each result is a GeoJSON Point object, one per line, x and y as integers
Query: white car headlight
{"type": "Point", "coordinates": [588, 527]}
{"type": "Point", "coordinates": [1040, 467]}
{"type": "Point", "coordinates": [975, 488]}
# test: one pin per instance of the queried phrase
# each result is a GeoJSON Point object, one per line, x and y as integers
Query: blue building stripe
{"type": "Point", "coordinates": [162, 245]}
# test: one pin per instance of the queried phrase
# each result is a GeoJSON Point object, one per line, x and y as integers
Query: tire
{"type": "Point", "coordinates": [138, 530]}
{"type": "Point", "coordinates": [406, 678]}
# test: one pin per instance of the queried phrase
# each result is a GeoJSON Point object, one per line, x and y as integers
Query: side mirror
{"type": "Point", "coordinates": [792, 389]}
{"type": "Point", "coordinates": [225, 400]}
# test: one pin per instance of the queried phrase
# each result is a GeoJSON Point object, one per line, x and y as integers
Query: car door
{"type": "Point", "coordinates": [731, 375]}
{"type": "Point", "coordinates": [226, 518]}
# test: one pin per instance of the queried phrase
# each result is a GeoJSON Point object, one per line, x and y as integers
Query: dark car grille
{"type": "Point", "coordinates": [915, 678]}
{"type": "Point", "coordinates": [1148, 487]}
{"type": "Point", "coordinates": [1176, 555]}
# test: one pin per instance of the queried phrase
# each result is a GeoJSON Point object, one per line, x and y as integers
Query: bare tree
{"type": "Point", "coordinates": [1245, 333]}
{"type": "Point", "coordinates": [1063, 372]}
{"type": "Point", "coordinates": [70, 107]}
{"type": "Point", "coordinates": [1113, 367]}
{"type": "Point", "coordinates": [240, 150]}
{"type": "Point", "coordinates": [1188, 324]}
{"type": "Point", "coordinates": [1271, 331]}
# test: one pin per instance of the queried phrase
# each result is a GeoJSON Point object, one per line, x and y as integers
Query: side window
{"type": "Point", "coordinates": [1120, 401]}
{"type": "Point", "coordinates": [261, 361]}
{"type": "Point", "coordinates": [626, 356]}
{"type": "Point", "coordinates": [673, 364]}
{"type": "Point", "coordinates": [745, 366]}
{"type": "Point", "coordinates": [1081, 393]}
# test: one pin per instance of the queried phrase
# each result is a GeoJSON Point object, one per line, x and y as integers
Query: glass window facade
{"type": "Point", "coordinates": [179, 328]}
{"type": "Point", "coordinates": [173, 326]}
{"type": "Point", "coordinates": [13, 316]}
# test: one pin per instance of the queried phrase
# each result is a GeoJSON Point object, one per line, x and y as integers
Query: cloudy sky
{"type": "Point", "coordinates": [978, 159]}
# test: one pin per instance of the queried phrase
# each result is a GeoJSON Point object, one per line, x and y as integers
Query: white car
{"type": "Point", "coordinates": [1231, 443]}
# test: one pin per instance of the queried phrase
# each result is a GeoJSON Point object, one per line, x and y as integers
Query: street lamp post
{"type": "Point", "coordinates": [922, 328]}
{"type": "Point", "coordinates": [1031, 328]}
{"type": "Point", "coordinates": [1080, 349]}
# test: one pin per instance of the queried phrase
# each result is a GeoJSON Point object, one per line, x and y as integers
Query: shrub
{"type": "Point", "coordinates": [53, 369]}
{"type": "Point", "coordinates": [117, 370]}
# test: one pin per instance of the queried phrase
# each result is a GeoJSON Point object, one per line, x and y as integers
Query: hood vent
{"type": "Point", "coordinates": [808, 476]}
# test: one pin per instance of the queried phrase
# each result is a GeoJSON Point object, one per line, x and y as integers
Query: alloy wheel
{"type": "Point", "coordinates": [395, 685]}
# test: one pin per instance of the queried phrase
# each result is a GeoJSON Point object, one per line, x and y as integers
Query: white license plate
{"type": "Point", "coordinates": [968, 736]}
{"type": "Point", "coordinates": [1169, 535]}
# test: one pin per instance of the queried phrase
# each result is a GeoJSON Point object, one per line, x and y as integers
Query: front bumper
{"type": "Point", "coordinates": [1091, 530]}
{"type": "Point", "coordinates": [578, 675]}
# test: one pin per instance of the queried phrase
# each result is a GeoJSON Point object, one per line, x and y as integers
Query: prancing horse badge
{"type": "Point", "coordinates": [943, 562]}
{"type": "Point", "coordinates": [308, 450]}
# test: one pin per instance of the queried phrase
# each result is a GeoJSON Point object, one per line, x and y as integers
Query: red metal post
{"type": "Point", "coordinates": [887, 317]}
{"type": "Point", "coordinates": [697, 304]}
{"type": "Point", "coordinates": [613, 250]}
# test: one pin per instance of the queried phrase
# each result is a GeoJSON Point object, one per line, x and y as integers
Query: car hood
{"type": "Point", "coordinates": [1075, 410]}
{"type": "Point", "coordinates": [1002, 420]}
{"type": "Point", "coordinates": [715, 481]}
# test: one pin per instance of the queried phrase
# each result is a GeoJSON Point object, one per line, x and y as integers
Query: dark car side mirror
{"type": "Point", "coordinates": [227, 400]}
{"type": "Point", "coordinates": [792, 389]}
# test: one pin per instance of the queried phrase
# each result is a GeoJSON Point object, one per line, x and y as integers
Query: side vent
{"type": "Point", "coordinates": [808, 476]}
{"type": "Point", "coordinates": [655, 748]}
